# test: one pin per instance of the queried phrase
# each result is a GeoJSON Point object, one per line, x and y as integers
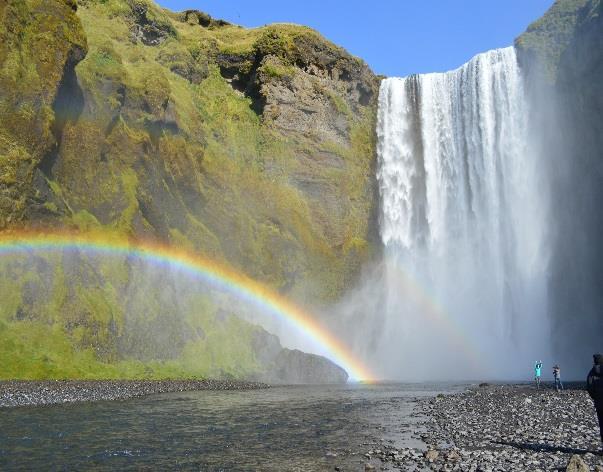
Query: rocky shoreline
{"type": "Point", "coordinates": [501, 428]}
{"type": "Point", "coordinates": [484, 428]}
{"type": "Point", "coordinates": [51, 392]}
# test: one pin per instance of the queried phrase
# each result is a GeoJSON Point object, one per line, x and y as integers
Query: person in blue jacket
{"type": "Point", "coordinates": [537, 373]}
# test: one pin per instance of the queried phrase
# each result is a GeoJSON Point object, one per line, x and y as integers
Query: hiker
{"type": "Point", "coordinates": [537, 372]}
{"type": "Point", "coordinates": [557, 377]}
{"type": "Point", "coordinates": [594, 384]}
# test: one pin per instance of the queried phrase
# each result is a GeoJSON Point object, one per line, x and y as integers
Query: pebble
{"type": "Point", "coordinates": [15, 393]}
{"type": "Point", "coordinates": [504, 428]}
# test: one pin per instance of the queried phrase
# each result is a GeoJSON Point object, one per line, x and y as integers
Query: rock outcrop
{"type": "Point", "coordinates": [291, 366]}
{"type": "Point", "coordinates": [576, 464]}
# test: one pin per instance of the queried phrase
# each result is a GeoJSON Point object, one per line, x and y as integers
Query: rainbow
{"type": "Point", "coordinates": [212, 272]}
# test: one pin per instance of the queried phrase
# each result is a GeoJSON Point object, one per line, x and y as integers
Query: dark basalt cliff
{"type": "Point", "coordinates": [563, 54]}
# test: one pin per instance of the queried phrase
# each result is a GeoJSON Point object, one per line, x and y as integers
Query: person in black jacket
{"type": "Point", "coordinates": [594, 384]}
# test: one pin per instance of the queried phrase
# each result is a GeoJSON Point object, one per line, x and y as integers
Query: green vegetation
{"type": "Point", "coordinates": [82, 330]}
{"type": "Point", "coordinates": [34, 351]}
{"type": "Point", "coordinates": [547, 38]}
{"type": "Point", "coordinates": [170, 136]}
{"type": "Point", "coordinates": [277, 70]}
{"type": "Point", "coordinates": [167, 129]}
{"type": "Point", "coordinates": [37, 39]}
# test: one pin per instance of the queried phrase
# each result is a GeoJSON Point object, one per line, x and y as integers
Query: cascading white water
{"type": "Point", "coordinates": [463, 213]}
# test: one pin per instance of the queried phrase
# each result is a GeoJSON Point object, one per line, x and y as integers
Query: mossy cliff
{"type": "Point", "coordinates": [251, 146]}
{"type": "Point", "coordinates": [254, 147]}
{"type": "Point", "coordinates": [69, 314]}
{"type": "Point", "coordinates": [40, 43]}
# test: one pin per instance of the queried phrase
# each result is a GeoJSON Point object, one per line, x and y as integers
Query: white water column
{"type": "Point", "coordinates": [463, 223]}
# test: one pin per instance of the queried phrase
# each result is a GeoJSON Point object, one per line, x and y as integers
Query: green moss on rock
{"type": "Point", "coordinates": [39, 41]}
{"type": "Point", "coordinates": [250, 146]}
{"type": "Point", "coordinates": [546, 39]}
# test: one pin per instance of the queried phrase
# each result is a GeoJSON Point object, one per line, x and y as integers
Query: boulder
{"type": "Point", "coordinates": [576, 464]}
{"type": "Point", "coordinates": [431, 455]}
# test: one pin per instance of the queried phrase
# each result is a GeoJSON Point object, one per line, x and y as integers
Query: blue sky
{"type": "Point", "coordinates": [395, 37]}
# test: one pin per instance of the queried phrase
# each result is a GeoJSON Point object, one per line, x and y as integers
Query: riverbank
{"type": "Point", "coordinates": [501, 427]}
{"type": "Point", "coordinates": [14, 393]}
{"type": "Point", "coordinates": [282, 428]}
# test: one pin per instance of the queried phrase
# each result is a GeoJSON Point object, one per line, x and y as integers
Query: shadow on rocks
{"type": "Point", "coordinates": [547, 448]}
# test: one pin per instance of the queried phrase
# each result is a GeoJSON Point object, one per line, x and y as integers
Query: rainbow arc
{"type": "Point", "coordinates": [211, 272]}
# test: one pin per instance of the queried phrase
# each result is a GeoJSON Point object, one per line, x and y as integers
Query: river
{"type": "Point", "coordinates": [282, 428]}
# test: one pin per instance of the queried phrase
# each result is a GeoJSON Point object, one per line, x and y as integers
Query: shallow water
{"type": "Point", "coordinates": [282, 428]}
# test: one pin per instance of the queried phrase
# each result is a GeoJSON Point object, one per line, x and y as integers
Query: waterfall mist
{"type": "Point", "coordinates": [461, 291]}
{"type": "Point", "coordinates": [567, 108]}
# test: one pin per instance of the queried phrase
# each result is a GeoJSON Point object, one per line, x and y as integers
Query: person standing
{"type": "Point", "coordinates": [594, 385]}
{"type": "Point", "coordinates": [557, 376]}
{"type": "Point", "coordinates": [537, 372]}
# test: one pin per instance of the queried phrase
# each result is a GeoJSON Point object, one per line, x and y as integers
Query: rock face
{"type": "Point", "coordinates": [563, 55]}
{"type": "Point", "coordinates": [41, 42]}
{"type": "Point", "coordinates": [253, 147]}
{"type": "Point", "coordinates": [287, 366]}
{"type": "Point", "coordinates": [544, 44]}
{"type": "Point", "coordinates": [73, 314]}
{"type": "Point", "coordinates": [297, 367]}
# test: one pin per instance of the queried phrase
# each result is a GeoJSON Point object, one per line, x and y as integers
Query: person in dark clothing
{"type": "Point", "coordinates": [557, 377]}
{"type": "Point", "coordinates": [594, 384]}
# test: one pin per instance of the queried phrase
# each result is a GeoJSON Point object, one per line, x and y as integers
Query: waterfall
{"type": "Point", "coordinates": [463, 224]}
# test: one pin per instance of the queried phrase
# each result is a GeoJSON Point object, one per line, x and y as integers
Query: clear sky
{"type": "Point", "coordinates": [395, 37]}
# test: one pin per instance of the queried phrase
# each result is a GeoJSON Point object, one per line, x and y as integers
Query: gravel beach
{"type": "Point", "coordinates": [501, 428]}
{"type": "Point", "coordinates": [51, 392]}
